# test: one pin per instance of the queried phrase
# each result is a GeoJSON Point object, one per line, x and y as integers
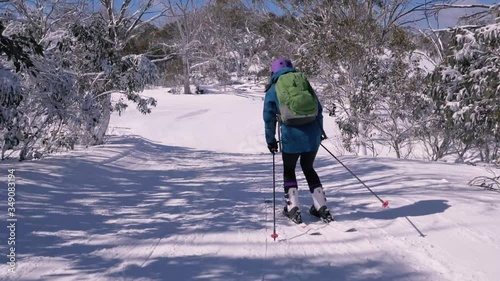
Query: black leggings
{"type": "Point", "coordinates": [306, 163]}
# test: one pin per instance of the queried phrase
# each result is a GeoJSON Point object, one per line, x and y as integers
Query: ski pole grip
{"type": "Point", "coordinates": [323, 134]}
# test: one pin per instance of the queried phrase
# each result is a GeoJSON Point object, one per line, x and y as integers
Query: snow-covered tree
{"type": "Point", "coordinates": [400, 108]}
{"type": "Point", "coordinates": [67, 92]}
{"type": "Point", "coordinates": [468, 86]}
{"type": "Point", "coordinates": [103, 69]}
{"type": "Point", "coordinates": [465, 85]}
{"type": "Point", "coordinates": [186, 17]}
{"type": "Point", "coordinates": [230, 37]}
{"type": "Point", "coordinates": [16, 52]}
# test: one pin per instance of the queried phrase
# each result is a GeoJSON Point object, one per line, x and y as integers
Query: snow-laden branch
{"type": "Point", "coordinates": [139, 14]}
{"type": "Point", "coordinates": [123, 11]}
{"type": "Point", "coordinates": [166, 58]}
{"type": "Point", "coordinates": [110, 92]}
{"type": "Point", "coordinates": [450, 29]}
{"type": "Point", "coordinates": [463, 6]}
{"type": "Point", "coordinates": [437, 42]}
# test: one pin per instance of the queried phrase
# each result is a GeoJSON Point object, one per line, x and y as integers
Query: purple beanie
{"type": "Point", "coordinates": [279, 64]}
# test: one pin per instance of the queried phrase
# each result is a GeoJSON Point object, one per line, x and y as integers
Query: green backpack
{"type": "Point", "coordinates": [297, 102]}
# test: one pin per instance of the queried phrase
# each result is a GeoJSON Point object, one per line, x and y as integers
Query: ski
{"type": "Point", "coordinates": [338, 226]}
{"type": "Point", "coordinates": [304, 227]}
{"type": "Point", "coordinates": [334, 224]}
{"type": "Point", "coordinates": [308, 229]}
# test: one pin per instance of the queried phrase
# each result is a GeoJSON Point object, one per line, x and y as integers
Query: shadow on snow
{"type": "Point", "coordinates": [133, 190]}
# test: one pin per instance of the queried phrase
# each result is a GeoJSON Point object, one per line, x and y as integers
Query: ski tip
{"type": "Point", "coordinates": [351, 230]}
{"type": "Point", "coordinates": [274, 236]}
{"type": "Point", "coordinates": [385, 204]}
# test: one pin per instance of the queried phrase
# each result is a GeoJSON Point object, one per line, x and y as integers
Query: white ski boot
{"type": "Point", "coordinates": [319, 208]}
{"type": "Point", "coordinates": [292, 208]}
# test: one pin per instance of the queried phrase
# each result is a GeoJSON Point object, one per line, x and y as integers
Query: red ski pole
{"type": "Point", "coordinates": [385, 204]}
{"type": "Point", "coordinates": [274, 235]}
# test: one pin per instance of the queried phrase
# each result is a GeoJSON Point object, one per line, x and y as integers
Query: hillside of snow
{"type": "Point", "coordinates": [182, 194]}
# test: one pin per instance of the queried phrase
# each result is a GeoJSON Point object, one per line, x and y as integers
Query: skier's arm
{"type": "Point", "coordinates": [319, 118]}
{"type": "Point", "coordinates": [269, 114]}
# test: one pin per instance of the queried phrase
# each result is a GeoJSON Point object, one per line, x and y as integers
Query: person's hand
{"type": "Point", "coordinates": [273, 147]}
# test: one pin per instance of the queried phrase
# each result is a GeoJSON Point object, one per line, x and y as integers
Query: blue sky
{"type": "Point", "coordinates": [447, 18]}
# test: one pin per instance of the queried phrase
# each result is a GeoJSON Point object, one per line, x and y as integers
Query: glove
{"type": "Point", "coordinates": [273, 147]}
{"type": "Point", "coordinates": [323, 135]}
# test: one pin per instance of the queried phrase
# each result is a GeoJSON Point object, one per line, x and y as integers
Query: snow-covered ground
{"type": "Point", "coordinates": [181, 194]}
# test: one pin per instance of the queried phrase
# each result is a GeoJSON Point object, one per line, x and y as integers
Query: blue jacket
{"type": "Point", "coordinates": [305, 138]}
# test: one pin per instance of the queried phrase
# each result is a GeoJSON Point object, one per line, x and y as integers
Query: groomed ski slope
{"type": "Point", "coordinates": [180, 195]}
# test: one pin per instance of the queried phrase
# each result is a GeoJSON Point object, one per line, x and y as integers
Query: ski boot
{"type": "Point", "coordinates": [292, 208]}
{"type": "Point", "coordinates": [319, 208]}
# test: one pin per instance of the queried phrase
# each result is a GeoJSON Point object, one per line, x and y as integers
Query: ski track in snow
{"type": "Point", "coordinates": [147, 206]}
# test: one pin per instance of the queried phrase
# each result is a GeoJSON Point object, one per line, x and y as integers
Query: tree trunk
{"type": "Point", "coordinates": [440, 148]}
{"type": "Point", "coordinates": [362, 139]}
{"type": "Point", "coordinates": [185, 63]}
{"type": "Point", "coordinates": [397, 149]}
{"type": "Point", "coordinates": [104, 122]}
{"type": "Point", "coordinates": [461, 154]}
{"type": "Point", "coordinates": [486, 153]}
